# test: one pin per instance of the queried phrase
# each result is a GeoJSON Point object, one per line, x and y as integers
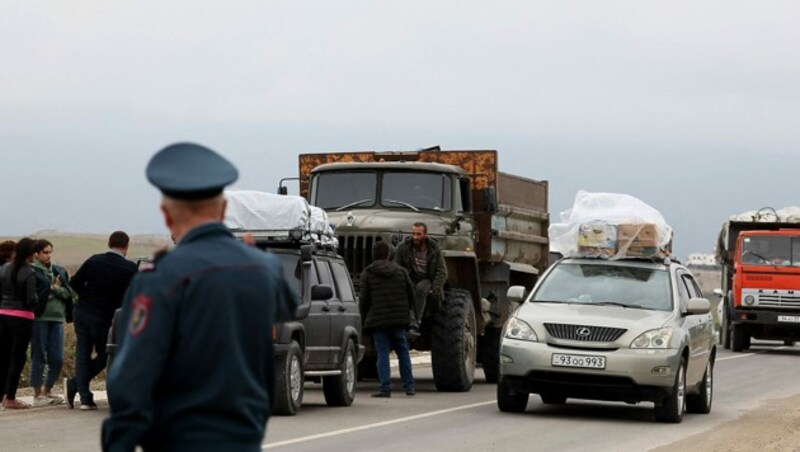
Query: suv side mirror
{"type": "Point", "coordinates": [323, 292]}
{"type": "Point", "coordinates": [516, 293]}
{"type": "Point", "coordinates": [698, 306]}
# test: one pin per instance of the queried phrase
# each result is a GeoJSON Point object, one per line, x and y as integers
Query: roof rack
{"type": "Point", "coordinates": [294, 237]}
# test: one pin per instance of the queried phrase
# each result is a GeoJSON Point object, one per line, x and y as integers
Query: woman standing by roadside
{"type": "Point", "coordinates": [17, 303]}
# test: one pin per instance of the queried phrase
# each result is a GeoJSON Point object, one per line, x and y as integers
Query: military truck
{"type": "Point", "coordinates": [491, 227]}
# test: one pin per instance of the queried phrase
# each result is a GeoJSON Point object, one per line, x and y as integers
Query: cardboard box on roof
{"type": "Point", "coordinates": [597, 238]}
{"type": "Point", "coordinates": [637, 235]}
{"type": "Point", "coordinates": [644, 251]}
{"type": "Point", "coordinates": [597, 234]}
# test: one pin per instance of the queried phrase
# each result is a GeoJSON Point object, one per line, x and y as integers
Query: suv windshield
{"type": "Point", "coordinates": [586, 283]}
{"type": "Point", "coordinates": [399, 189]}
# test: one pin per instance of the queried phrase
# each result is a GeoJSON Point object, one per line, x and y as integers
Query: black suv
{"type": "Point", "coordinates": [323, 343]}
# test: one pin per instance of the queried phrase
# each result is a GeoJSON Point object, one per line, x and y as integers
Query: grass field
{"type": "Point", "coordinates": [70, 251]}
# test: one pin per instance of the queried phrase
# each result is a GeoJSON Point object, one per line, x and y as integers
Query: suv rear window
{"type": "Point", "coordinates": [587, 283]}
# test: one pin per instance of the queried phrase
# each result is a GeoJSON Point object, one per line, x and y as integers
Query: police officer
{"type": "Point", "coordinates": [194, 364]}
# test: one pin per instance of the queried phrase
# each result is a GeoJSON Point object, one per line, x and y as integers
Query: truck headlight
{"type": "Point", "coordinates": [749, 300]}
{"type": "Point", "coordinates": [659, 338]}
{"type": "Point", "coordinates": [518, 329]}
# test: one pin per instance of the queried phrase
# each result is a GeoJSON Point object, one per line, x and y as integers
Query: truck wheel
{"type": "Point", "coordinates": [509, 401]}
{"type": "Point", "coordinates": [671, 408]}
{"type": "Point", "coordinates": [701, 403]}
{"type": "Point", "coordinates": [453, 341]}
{"type": "Point", "coordinates": [490, 354]}
{"type": "Point", "coordinates": [725, 329]}
{"type": "Point", "coordinates": [340, 390]}
{"type": "Point", "coordinates": [289, 382]}
{"type": "Point", "coordinates": [739, 338]}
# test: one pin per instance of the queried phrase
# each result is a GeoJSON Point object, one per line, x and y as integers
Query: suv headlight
{"type": "Point", "coordinates": [659, 338]}
{"type": "Point", "coordinates": [518, 329]}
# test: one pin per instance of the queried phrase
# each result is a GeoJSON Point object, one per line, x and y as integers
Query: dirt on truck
{"type": "Point", "coordinates": [760, 257]}
{"type": "Point", "coordinates": [491, 227]}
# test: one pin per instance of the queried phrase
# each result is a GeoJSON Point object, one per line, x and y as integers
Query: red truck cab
{"type": "Point", "coordinates": [764, 301]}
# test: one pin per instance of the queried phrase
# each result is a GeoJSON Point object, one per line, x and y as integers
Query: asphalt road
{"type": "Point", "coordinates": [461, 421]}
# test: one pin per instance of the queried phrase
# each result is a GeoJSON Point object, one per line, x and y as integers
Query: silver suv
{"type": "Point", "coordinates": [623, 330]}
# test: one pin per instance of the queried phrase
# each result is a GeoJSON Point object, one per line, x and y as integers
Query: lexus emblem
{"type": "Point", "coordinates": [583, 331]}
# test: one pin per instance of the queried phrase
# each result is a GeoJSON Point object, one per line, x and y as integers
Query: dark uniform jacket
{"type": "Point", "coordinates": [194, 365]}
{"type": "Point", "coordinates": [437, 269]}
{"type": "Point", "coordinates": [387, 295]}
{"type": "Point", "coordinates": [101, 282]}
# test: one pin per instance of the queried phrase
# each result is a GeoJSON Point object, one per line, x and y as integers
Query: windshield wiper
{"type": "Point", "coordinates": [402, 203]}
{"type": "Point", "coordinates": [615, 303]}
{"type": "Point", "coordinates": [353, 204]}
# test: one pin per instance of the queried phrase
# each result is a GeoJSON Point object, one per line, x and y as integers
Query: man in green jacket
{"type": "Point", "coordinates": [385, 303]}
{"type": "Point", "coordinates": [54, 308]}
{"type": "Point", "coordinates": [421, 257]}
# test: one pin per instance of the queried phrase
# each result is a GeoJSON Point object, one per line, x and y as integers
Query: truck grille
{"type": "Point", "coordinates": [780, 300]}
{"type": "Point", "coordinates": [584, 333]}
{"type": "Point", "coordinates": [357, 252]}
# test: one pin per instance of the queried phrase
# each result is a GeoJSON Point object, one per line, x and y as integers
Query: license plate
{"type": "Point", "coordinates": [582, 361]}
{"type": "Point", "coordinates": [789, 318]}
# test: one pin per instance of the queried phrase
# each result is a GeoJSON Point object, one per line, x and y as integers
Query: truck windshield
{"type": "Point", "coordinates": [632, 287]}
{"type": "Point", "coordinates": [345, 189]}
{"type": "Point", "coordinates": [781, 251]}
{"type": "Point", "coordinates": [399, 189]}
{"type": "Point", "coordinates": [426, 191]}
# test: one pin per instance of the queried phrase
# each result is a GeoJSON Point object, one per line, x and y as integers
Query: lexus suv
{"type": "Point", "coordinates": [629, 330]}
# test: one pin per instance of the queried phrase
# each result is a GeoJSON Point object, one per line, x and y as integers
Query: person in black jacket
{"type": "Point", "coordinates": [17, 303]}
{"type": "Point", "coordinates": [101, 283]}
{"type": "Point", "coordinates": [386, 301]}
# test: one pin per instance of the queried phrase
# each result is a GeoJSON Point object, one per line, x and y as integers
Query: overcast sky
{"type": "Point", "coordinates": [691, 106]}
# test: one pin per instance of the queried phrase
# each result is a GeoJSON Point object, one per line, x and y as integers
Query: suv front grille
{"type": "Point", "coordinates": [584, 333]}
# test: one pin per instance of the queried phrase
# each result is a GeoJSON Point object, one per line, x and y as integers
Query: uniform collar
{"type": "Point", "coordinates": [203, 230]}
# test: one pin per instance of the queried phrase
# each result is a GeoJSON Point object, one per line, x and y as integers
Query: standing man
{"type": "Point", "coordinates": [54, 308]}
{"type": "Point", "coordinates": [194, 363]}
{"type": "Point", "coordinates": [423, 259]}
{"type": "Point", "coordinates": [100, 283]}
{"type": "Point", "coordinates": [386, 298]}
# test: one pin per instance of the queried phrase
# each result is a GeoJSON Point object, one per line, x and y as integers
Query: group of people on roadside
{"type": "Point", "coordinates": [37, 298]}
{"type": "Point", "coordinates": [394, 292]}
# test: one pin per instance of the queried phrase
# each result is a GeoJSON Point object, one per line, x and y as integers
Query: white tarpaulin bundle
{"type": "Point", "coordinates": [610, 225]}
{"type": "Point", "coordinates": [785, 215]}
{"type": "Point", "coordinates": [276, 215]}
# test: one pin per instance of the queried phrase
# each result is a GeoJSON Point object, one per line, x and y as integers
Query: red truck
{"type": "Point", "coordinates": [760, 282]}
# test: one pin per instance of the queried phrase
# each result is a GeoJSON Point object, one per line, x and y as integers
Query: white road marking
{"type": "Point", "coordinates": [744, 355]}
{"type": "Point", "coordinates": [375, 425]}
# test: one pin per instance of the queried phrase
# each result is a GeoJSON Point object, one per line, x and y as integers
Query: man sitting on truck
{"type": "Point", "coordinates": [423, 259]}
